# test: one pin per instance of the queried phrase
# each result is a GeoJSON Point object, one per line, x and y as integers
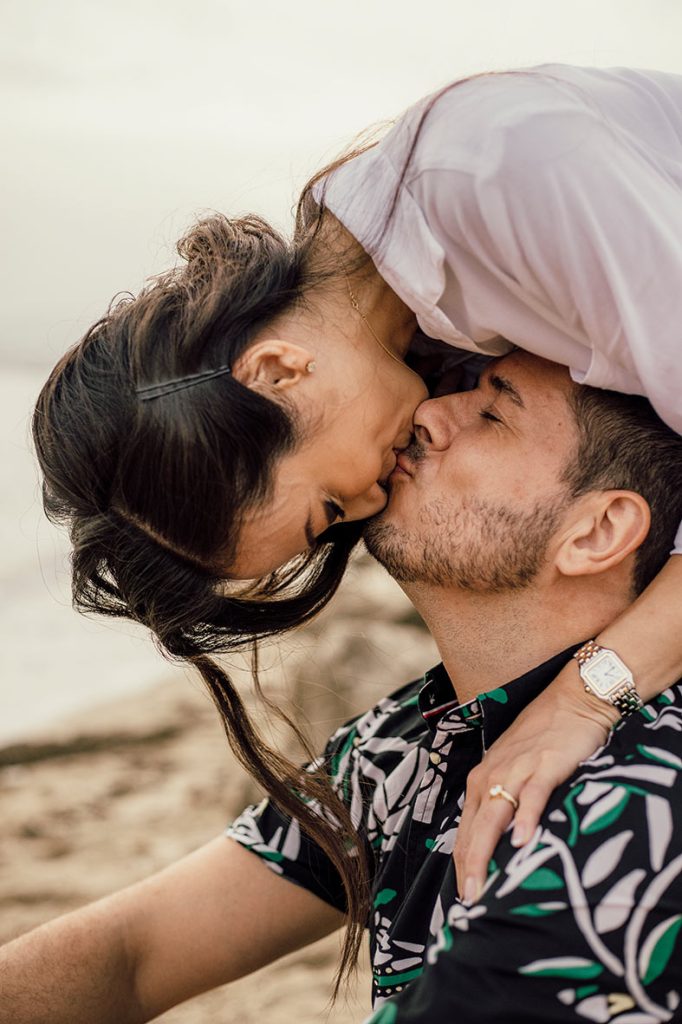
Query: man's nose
{"type": "Point", "coordinates": [437, 419]}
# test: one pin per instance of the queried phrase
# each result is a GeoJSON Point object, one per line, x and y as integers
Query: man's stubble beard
{"type": "Point", "coordinates": [477, 546]}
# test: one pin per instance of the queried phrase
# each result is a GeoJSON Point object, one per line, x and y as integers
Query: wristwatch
{"type": "Point", "coordinates": [607, 677]}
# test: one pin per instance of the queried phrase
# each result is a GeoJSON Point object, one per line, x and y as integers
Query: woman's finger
{"type": "Point", "coordinates": [533, 799]}
{"type": "Point", "coordinates": [485, 830]}
{"type": "Point", "coordinates": [479, 782]}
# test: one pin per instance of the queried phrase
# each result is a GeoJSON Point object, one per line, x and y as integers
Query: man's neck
{"type": "Point", "coordinates": [486, 640]}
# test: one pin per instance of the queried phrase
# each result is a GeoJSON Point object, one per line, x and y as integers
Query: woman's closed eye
{"type": "Point", "coordinates": [333, 511]}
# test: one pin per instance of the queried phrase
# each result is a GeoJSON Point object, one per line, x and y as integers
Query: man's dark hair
{"type": "Point", "coordinates": [623, 444]}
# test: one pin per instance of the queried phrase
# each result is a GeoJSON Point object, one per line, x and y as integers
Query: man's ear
{"type": "Point", "coordinates": [273, 365]}
{"type": "Point", "coordinates": [608, 526]}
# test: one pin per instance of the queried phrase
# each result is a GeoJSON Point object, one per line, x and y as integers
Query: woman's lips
{"type": "Point", "coordinates": [403, 466]}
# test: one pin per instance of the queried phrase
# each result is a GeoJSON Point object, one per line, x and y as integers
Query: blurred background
{"type": "Point", "coordinates": [120, 124]}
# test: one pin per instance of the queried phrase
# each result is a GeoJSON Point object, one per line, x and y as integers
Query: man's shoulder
{"type": "Point", "coordinates": [388, 725]}
{"type": "Point", "coordinates": [645, 748]}
{"type": "Point", "coordinates": [636, 778]}
{"type": "Point", "coordinates": [610, 832]}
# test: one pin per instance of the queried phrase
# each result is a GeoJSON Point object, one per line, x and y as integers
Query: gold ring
{"type": "Point", "coordinates": [501, 791]}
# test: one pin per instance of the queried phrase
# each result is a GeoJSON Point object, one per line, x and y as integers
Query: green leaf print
{"type": "Point", "coordinates": [586, 990]}
{"type": "Point", "coordinates": [660, 756]}
{"type": "Point", "coordinates": [563, 967]}
{"type": "Point", "coordinates": [273, 855]}
{"type": "Point", "coordinates": [499, 696]}
{"type": "Point", "coordinates": [543, 878]}
{"type": "Point", "coordinates": [658, 949]}
{"type": "Point", "coordinates": [538, 909]}
{"type": "Point", "coordinates": [383, 897]}
{"type": "Point", "coordinates": [605, 811]}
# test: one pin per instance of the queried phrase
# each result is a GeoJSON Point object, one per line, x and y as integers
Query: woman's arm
{"type": "Point", "coordinates": [565, 725]}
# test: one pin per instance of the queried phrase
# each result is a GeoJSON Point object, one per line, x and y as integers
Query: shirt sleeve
{"type": "Point", "coordinates": [279, 840]}
{"type": "Point", "coordinates": [584, 922]}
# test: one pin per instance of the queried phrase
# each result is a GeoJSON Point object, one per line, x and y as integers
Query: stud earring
{"type": "Point", "coordinates": [311, 366]}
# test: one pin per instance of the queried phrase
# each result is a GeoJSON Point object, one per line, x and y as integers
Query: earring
{"type": "Point", "coordinates": [311, 366]}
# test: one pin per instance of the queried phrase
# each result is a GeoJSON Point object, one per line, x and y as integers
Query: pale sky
{"type": "Point", "coordinates": [121, 121]}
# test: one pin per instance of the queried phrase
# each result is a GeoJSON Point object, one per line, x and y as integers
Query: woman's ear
{"type": "Point", "coordinates": [273, 365]}
{"type": "Point", "coordinates": [609, 526]}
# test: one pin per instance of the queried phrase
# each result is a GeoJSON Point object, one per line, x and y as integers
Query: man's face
{"type": "Point", "coordinates": [475, 500]}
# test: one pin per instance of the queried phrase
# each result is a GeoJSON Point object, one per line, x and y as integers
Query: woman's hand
{"type": "Point", "coordinates": [541, 749]}
{"type": "Point", "coordinates": [563, 726]}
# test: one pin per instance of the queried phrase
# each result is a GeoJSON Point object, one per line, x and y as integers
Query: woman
{"type": "Point", "coordinates": [215, 443]}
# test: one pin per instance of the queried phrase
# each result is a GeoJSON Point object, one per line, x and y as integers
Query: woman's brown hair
{"type": "Point", "coordinates": [154, 492]}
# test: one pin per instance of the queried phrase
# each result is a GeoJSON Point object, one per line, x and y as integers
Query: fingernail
{"type": "Point", "coordinates": [470, 890]}
{"type": "Point", "coordinates": [520, 835]}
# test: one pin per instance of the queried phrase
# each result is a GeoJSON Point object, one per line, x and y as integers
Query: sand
{"type": "Point", "coordinates": [110, 796]}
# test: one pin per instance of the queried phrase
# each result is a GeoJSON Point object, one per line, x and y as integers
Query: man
{"type": "Point", "coordinates": [526, 516]}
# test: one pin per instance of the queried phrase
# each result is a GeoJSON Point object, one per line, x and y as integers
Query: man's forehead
{"type": "Point", "coordinates": [522, 372]}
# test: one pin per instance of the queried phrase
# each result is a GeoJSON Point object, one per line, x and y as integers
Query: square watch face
{"type": "Point", "coordinates": [605, 672]}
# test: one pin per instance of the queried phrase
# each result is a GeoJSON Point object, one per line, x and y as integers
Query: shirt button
{"type": "Point", "coordinates": [357, 741]}
{"type": "Point", "coordinates": [435, 758]}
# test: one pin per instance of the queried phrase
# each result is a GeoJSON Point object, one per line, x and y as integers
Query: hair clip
{"type": "Point", "coordinates": [170, 387]}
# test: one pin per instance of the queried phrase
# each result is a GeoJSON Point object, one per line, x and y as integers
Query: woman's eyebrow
{"type": "Point", "coordinates": [505, 387]}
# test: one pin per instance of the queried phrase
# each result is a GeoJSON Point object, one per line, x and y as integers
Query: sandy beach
{"type": "Point", "coordinates": [111, 795]}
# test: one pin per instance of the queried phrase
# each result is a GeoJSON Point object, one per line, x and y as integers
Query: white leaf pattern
{"type": "Point", "coordinates": [615, 908]}
{"type": "Point", "coordinates": [594, 1008]}
{"type": "Point", "coordinates": [593, 791]}
{"type": "Point", "coordinates": [602, 807]}
{"type": "Point", "coordinates": [657, 774]}
{"type": "Point", "coordinates": [603, 861]}
{"type": "Point", "coordinates": [660, 825]}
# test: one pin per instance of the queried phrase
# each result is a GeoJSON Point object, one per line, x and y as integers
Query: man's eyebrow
{"type": "Point", "coordinates": [505, 387]}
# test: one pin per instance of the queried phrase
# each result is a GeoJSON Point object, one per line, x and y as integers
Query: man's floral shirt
{"type": "Point", "coordinates": [581, 924]}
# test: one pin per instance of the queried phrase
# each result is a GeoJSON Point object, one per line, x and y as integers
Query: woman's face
{"type": "Point", "coordinates": [338, 471]}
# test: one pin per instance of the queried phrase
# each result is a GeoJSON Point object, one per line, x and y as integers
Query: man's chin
{"type": "Point", "coordinates": [385, 543]}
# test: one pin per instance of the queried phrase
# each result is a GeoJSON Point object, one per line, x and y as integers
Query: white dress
{"type": "Point", "coordinates": [541, 208]}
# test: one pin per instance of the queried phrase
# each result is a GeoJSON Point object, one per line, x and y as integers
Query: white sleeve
{"type": "Point", "coordinates": [613, 229]}
{"type": "Point", "coordinates": [588, 228]}
{"type": "Point", "coordinates": [581, 220]}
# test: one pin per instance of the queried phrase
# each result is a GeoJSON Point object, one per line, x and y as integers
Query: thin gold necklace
{"type": "Point", "coordinates": [356, 306]}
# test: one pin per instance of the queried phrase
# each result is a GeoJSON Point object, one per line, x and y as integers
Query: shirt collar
{"type": "Point", "coordinates": [494, 710]}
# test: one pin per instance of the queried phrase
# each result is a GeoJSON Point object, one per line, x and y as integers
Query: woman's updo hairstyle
{"type": "Point", "coordinates": [153, 492]}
